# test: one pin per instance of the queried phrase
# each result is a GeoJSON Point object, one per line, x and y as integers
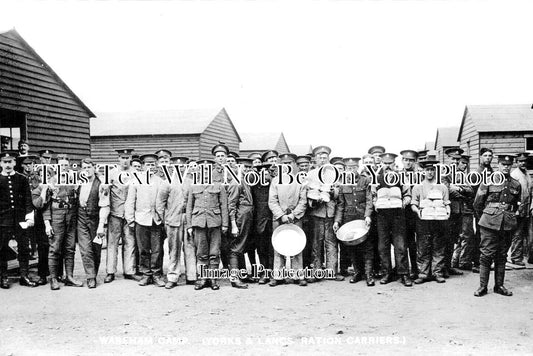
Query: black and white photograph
{"type": "Point", "coordinates": [266, 177]}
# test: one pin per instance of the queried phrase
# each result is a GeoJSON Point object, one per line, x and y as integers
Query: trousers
{"type": "Point", "coordinates": [323, 235]}
{"type": "Point", "coordinates": [150, 249]}
{"type": "Point", "coordinates": [431, 244]}
{"type": "Point", "coordinates": [391, 228]}
{"type": "Point", "coordinates": [118, 230]}
{"type": "Point", "coordinates": [23, 251]}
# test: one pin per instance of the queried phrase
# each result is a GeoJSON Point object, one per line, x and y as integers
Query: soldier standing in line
{"type": "Point", "coordinates": [390, 201]}
{"type": "Point", "coordinates": [345, 260]}
{"type": "Point", "coordinates": [60, 225]}
{"type": "Point", "coordinates": [45, 156]}
{"type": "Point", "coordinates": [355, 203]}
{"type": "Point", "coordinates": [16, 209]}
{"type": "Point", "coordinates": [485, 164]}
{"type": "Point", "coordinates": [207, 220]}
{"type": "Point", "coordinates": [409, 160]}
{"type": "Point", "coordinates": [520, 236]}
{"type": "Point", "coordinates": [462, 256]}
{"type": "Point", "coordinates": [40, 199]}
{"type": "Point", "coordinates": [497, 206]}
{"type": "Point", "coordinates": [431, 224]}
{"type": "Point", "coordinates": [240, 204]}
{"type": "Point", "coordinates": [376, 151]}
{"type": "Point", "coordinates": [171, 203]}
{"type": "Point", "coordinates": [26, 164]}
{"type": "Point", "coordinates": [118, 227]}
{"type": "Point", "coordinates": [304, 164]}
{"type": "Point", "coordinates": [93, 210]}
{"type": "Point", "coordinates": [455, 221]}
{"type": "Point", "coordinates": [287, 202]}
{"type": "Point", "coordinates": [140, 213]}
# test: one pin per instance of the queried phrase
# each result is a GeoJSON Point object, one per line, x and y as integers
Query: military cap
{"type": "Point", "coordinates": [303, 159]}
{"type": "Point", "coordinates": [269, 154]}
{"type": "Point", "coordinates": [149, 157]}
{"type": "Point", "coordinates": [321, 149]}
{"type": "Point", "coordinates": [368, 155]}
{"type": "Point", "coordinates": [221, 147]}
{"type": "Point", "coordinates": [264, 166]}
{"type": "Point", "coordinates": [485, 149]}
{"type": "Point", "coordinates": [409, 154]}
{"type": "Point", "coordinates": [335, 160]}
{"type": "Point", "coordinates": [206, 162]}
{"type": "Point", "coordinates": [255, 155]}
{"type": "Point", "coordinates": [27, 159]}
{"type": "Point", "coordinates": [506, 158]}
{"type": "Point", "coordinates": [376, 149]}
{"type": "Point", "coordinates": [124, 151]}
{"type": "Point", "coordinates": [46, 153]}
{"type": "Point", "coordinates": [247, 162]}
{"type": "Point", "coordinates": [179, 160]}
{"type": "Point", "coordinates": [62, 156]}
{"type": "Point", "coordinates": [454, 152]}
{"type": "Point", "coordinates": [422, 154]}
{"type": "Point", "coordinates": [351, 161]}
{"type": "Point", "coordinates": [163, 153]}
{"type": "Point", "coordinates": [522, 156]}
{"type": "Point", "coordinates": [8, 155]}
{"type": "Point", "coordinates": [465, 158]}
{"type": "Point", "coordinates": [388, 157]}
{"type": "Point", "coordinates": [136, 159]}
{"type": "Point", "coordinates": [287, 157]}
{"type": "Point", "coordinates": [233, 154]}
{"type": "Point", "coordinates": [428, 163]}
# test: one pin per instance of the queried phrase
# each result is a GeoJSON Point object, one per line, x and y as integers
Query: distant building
{"type": "Point", "coordinates": [263, 141]}
{"type": "Point", "coordinates": [36, 105]}
{"type": "Point", "coordinates": [190, 133]}
{"type": "Point", "coordinates": [301, 150]}
{"type": "Point", "coordinates": [503, 128]}
{"type": "Point", "coordinates": [446, 138]}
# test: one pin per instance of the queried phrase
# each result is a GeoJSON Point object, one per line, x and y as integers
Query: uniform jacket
{"type": "Point", "coordinates": [207, 206]}
{"type": "Point", "coordinates": [461, 197]}
{"type": "Point", "coordinates": [239, 200]}
{"type": "Point", "coordinates": [284, 199]}
{"type": "Point", "coordinates": [355, 201]}
{"type": "Point", "coordinates": [262, 213]}
{"type": "Point", "coordinates": [525, 182]}
{"type": "Point", "coordinates": [172, 201]}
{"type": "Point", "coordinates": [140, 203]}
{"type": "Point", "coordinates": [15, 199]}
{"type": "Point", "coordinates": [118, 193]}
{"type": "Point", "coordinates": [66, 195]}
{"type": "Point", "coordinates": [497, 204]}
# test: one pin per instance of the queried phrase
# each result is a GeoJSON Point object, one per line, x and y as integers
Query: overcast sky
{"type": "Point", "coordinates": [348, 74]}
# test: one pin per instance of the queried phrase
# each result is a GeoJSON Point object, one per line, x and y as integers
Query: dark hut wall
{"type": "Point", "coordinates": [54, 119]}
{"type": "Point", "coordinates": [220, 129]}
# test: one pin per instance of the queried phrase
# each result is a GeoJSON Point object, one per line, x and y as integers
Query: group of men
{"type": "Point", "coordinates": [436, 228]}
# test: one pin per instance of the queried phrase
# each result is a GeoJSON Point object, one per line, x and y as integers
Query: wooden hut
{"type": "Point", "coordinates": [263, 141]}
{"type": "Point", "coordinates": [446, 138]}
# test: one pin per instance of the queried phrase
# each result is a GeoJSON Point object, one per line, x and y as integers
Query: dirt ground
{"type": "Point", "coordinates": [122, 318]}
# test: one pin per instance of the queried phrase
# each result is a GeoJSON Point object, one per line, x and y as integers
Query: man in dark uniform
{"type": "Point", "coordinates": [304, 164]}
{"type": "Point", "coordinates": [376, 151]}
{"type": "Point", "coordinates": [207, 219]}
{"type": "Point", "coordinates": [40, 201]}
{"type": "Point", "coordinates": [409, 160]}
{"type": "Point", "coordinates": [46, 156]}
{"type": "Point", "coordinates": [497, 206]}
{"type": "Point", "coordinates": [485, 160]}
{"type": "Point", "coordinates": [240, 204]}
{"type": "Point", "coordinates": [355, 203]}
{"type": "Point", "coordinates": [16, 210]}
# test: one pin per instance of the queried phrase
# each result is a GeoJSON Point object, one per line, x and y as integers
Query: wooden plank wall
{"type": "Point", "coordinates": [220, 129]}
{"type": "Point", "coordinates": [502, 143]}
{"type": "Point", "coordinates": [54, 118]}
{"type": "Point", "coordinates": [282, 146]}
{"type": "Point", "coordinates": [103, 147]}
{"type": "Point", "coordinates": [470, 141]}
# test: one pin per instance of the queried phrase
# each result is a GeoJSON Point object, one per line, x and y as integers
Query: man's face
{"type": "Point", "coordinates": [486, 158]}
{"type": "Point", "coordinates": [408, 163]}
{"type": "Point", "coordinates": [377, 158]}
{"type": "Point", "coordinates": [161, 161]}
{"type": "Point", "coordinates": [352, 168]}
{"type": "Point", "coordinates": [46, 160]}
{"type": "Point", "coordinates": [7, 165]}
{"type": "Point", "coordinates": [273, 160]}
{"type": "Point", "coordinates": [27, 167]}
{"type": "Point", "coordinates": [287, 164]}
{"type": "Point", "coordinates": [136, 166]}
{"type": "Point", "coordinates": [64, 164]}
{"type": "Point", "coordinates": [150, 165]}
{"type": "Point", "coordinates": [193, 167]}
{"type": "Point", "coordinates": [430, 172]}
{"type": "Point", "coordinates": [87, 169]}
{"type": "Point", "coordinates": [388, 166]}
{"type": "Point", "coordinates": [256, 162]}
{"type": "Point", "coordinates": [303, 167]}
{"type": "Point", "coordinates": [368, 161]}
{"type": "Point", "coordinates": [231, 161]}
{"type": "Point", "coordinates": [24, 148]}
{"type": "Point", "coordinates": [505, 168]}
{"type": "Point", "coordinates": [340, 167]}
{"type": "Point", "coordinates": [454, 160]}
{"type": "Point", "coordinates": [521, 165]}
{"type": "Point", "coordinates": [321, 159]}
{"type": "Point", "coordinates": [124, 161]}
{"type": "Point", "coordinates": [220, 157]}
{"type": "Point", "coordinates": [462, 166]}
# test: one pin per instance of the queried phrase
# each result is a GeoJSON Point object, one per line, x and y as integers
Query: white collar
{"type": "Point", "coordinates": [11, 174]}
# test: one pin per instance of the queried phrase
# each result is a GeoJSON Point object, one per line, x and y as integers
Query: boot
{"type": "Point", "coordinates": [91, 283]}
{"type": "Point", "coordinates": [26, 281]}
{"type": "Point", "coordinates": [484, 272]}
{"type": "Point", "coordinates": [70, 281]}
{"type": "Point", "coordinates": [499, 276]}
{"type": "Point", "coordinates": [4, 282]}
{"type": "Point", "coordinates": [356, 278]}
{"type": "Point", "coordinates": [214, 284]}
{"type": "Point", "coordinates": [237, 283]}
{"type": "Point", "coordinates": [370, 280]}
{"type": "Point", "coordinates": [54, 283]}
{"type": "Point", "coordinates": [200, 284]}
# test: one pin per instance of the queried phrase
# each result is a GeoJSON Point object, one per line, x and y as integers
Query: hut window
{"type": "Point", "coordinates": [529, 144]}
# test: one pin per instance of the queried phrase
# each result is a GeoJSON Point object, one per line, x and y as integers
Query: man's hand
{"type": "Point", "coordinates": [284, 219]}
{"type": "Point", "coordinates": [30, 222]}
{"type": "Point", "coordinates": [335, 227]}
{"type": "Point", "coordinates": [131, 224]}
{"type": "Point", "coordinates": [48, 228]}
{"type": "Point", "coordinates": [234, 230]}
{"type": "Point", "coordinates": [368, 221]}
{"type": "Point", "coordinates": [224, 229]}
{"type": "Point", "coordinates": [100, 232]}
{"type": "Point", "coordinates": [189, 231]}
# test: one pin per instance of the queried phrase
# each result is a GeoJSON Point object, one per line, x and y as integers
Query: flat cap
{"type": "Point", "coordinates": [303, 159]}
{"type": "Point", "coordinates": [125, 151]}
{"type": "Point", "coordinates": [506, 158]}
{"type": "Point", "coordinates": [388, 157]}
{"type": "Point", "coordinates": [409, 154]}
{"type": "Point", "coordinates": [179, 160]}
{"type": "Point", "coordinates": [8, 155]}
{"type": "Point", "coordinates": [221, 147]}
{"type": "Point", "coordinates": [46, 153]}
{"type": "Point", "coordinates": [376, 149]}
{"type": "Point", "coordinates": [269, 154]}
{"type": "Point", "coordinates": [321, 149]}
{"type": "Point", "coordinates": [454, 152]}
{"type": "Point", "coordinates": [149, 157]}
{"type": "Point", "coordinates": [523, 156]}
{"type": "Point", "coordinates": [351, 161]}
{"type": "Point", "coordinates": [163, 153]}
{"type": "Point", "coordinates": [287, 157]}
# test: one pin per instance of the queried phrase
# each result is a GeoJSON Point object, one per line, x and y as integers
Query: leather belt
{"type": "Point", "coordinates": [61, 205]}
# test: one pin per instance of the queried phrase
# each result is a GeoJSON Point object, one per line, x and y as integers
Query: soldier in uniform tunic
{"type": "Point", "coordinates": [304, 164]}
{"type": "Point", "coordinates": [409, 160]}
{"type": "Point", "coordinates": [497, 205]}
{"type": "Point", "coordinates": [60, 225]}
{"type": "Point", "coordinates": [345, 261]}
{"type": "Point", "coordinates": [377, 151]}
{"type": "Point", "coordinates": [40, 200]}
{"type": "Point", "coordinates": [15, 209]}
{"type": "Point", "coordinates": [207, 219]}
{"type": "Point", "coordinates": [355, 203]}
{"type": "Point", "coordinates": [369, 160]}
{"type": "Point", "coordinates": [93, 210]}
{"type": "Point", "coordinates": [118, 228]}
